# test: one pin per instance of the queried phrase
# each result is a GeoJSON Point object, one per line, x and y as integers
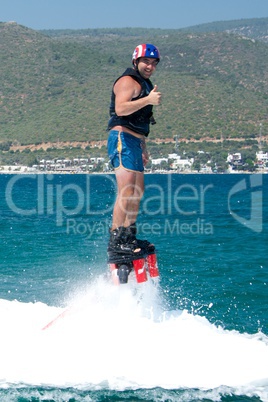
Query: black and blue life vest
{"type": "Point", "coordinates": [138, 121]}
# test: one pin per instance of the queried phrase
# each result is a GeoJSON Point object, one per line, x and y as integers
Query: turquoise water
{"type": "Point", "coordinates": [198, 333]}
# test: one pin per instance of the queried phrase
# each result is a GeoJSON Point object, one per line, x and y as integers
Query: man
{"type": "Point", "coordinates": [132, 100]}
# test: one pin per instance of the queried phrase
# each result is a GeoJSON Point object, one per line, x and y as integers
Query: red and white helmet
{"type": "Point", "coordinates": [146, 50]}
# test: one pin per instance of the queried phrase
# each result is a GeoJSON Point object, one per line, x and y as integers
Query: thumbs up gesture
{"type": "Point", "coordinates": [154, 96]}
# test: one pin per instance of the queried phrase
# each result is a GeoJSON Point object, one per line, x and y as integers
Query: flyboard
{"type": "Point", "coordinates": [121, 266]}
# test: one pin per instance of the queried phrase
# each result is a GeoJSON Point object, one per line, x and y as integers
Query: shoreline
{"type": "Point", "coordinates": [53, 172]}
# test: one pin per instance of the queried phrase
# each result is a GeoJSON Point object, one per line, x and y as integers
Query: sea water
{"type": "Point", "coordinates": [199, 332]}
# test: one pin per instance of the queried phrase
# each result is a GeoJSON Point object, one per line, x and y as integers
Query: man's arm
{"type": "Point", "coordinates": [125, 90]}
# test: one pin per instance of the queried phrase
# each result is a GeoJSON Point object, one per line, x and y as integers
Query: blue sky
{"type": "Point", "coordinates": [80, 14]}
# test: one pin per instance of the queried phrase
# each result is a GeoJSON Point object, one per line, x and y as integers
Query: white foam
{"type": "Point", "coordinates": [121, 337]}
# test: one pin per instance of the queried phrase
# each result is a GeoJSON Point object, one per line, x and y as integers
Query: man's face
{"type": "Point", "coordinates": [146, 66]}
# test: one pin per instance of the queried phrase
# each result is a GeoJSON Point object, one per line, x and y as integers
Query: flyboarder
{"type": "Point", "coordinates": [132, 100]}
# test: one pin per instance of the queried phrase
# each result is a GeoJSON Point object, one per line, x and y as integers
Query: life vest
{"type": "Point", "coordinates": [138, 121]}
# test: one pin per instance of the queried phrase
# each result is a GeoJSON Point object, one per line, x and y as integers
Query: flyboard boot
{"type": "Point", "coordinates": [124, 256]}
{"type": "Point", "coordinates": [147, 247]}
{"type": "Point", "coordinates": [127, 253]}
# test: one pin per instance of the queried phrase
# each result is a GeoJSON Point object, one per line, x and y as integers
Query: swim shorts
{"type": "Point", "coordinates": [125, 150]}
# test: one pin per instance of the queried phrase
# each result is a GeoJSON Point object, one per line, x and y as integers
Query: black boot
{"type": "Point", "coordinates": [131, 232]}
{"type": "Point", "coordinates": [120, 248]}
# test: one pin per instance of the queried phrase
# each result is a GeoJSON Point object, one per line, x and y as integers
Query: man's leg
{"type": "Point", "coordinates": [130, 187]}
{"type": "Point", "coordinates": [119, 242]}
{"type": "Point", "coordinates": [133, 210]}
{"type": "Point", "coordinates": [134, 201]}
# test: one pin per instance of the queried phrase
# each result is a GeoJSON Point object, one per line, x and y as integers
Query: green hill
{"type": "Point", "coordinates": [255, 28]}
{"type": "Point", "coordinates": [55, 85]}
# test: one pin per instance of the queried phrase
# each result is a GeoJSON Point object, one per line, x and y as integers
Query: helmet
{"type": "Point", "coordinates": [145, 50]}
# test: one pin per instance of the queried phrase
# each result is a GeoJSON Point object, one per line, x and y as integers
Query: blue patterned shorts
{"type": "Point", "coordinates": [125, 150]}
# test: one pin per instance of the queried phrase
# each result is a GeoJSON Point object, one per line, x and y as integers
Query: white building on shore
{"type": "Point", "coordinates": [180, 164]}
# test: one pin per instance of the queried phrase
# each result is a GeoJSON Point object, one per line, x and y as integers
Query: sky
{"type": "Point", "coordinates": [170, 14]}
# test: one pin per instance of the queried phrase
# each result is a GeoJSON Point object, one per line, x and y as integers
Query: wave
{"type": "Point", "coordinates": [124, 339]}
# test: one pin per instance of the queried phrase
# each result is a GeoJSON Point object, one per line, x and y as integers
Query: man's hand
{"type": "Point", "coordinates": [145, 155]}
{"type": "Point", "coordinates": [154, 96]}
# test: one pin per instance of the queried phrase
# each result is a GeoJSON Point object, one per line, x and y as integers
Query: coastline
{"type": "Point", "coordinates": [29, 171]}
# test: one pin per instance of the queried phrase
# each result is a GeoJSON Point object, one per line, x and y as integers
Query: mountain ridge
{"type": "Point", "coordinates": [57, 88]}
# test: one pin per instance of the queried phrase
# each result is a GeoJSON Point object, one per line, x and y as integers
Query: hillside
{"type": "Point", "coordinates": [255, 28]}
{"type": "Point", "coordinates": [55, 86]}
